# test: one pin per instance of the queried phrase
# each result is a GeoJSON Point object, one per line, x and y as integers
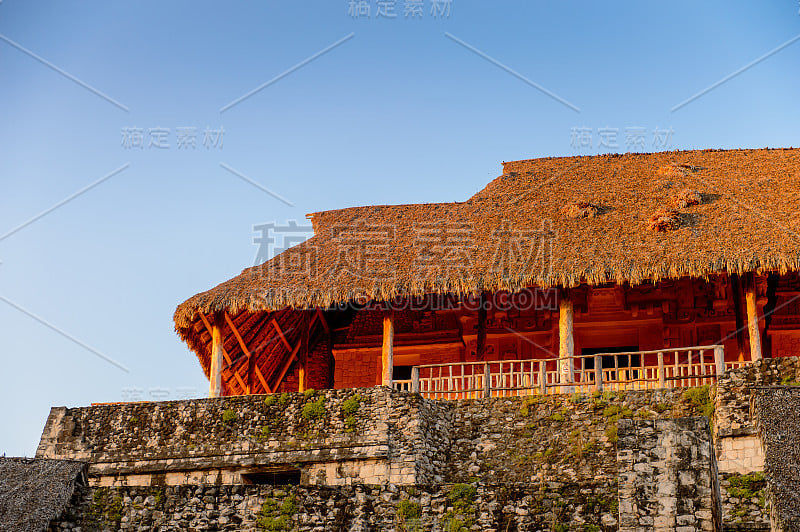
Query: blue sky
{"type": "Point", "coordinates": [402, 110]}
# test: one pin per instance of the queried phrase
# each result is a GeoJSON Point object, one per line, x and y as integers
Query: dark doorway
{"type": "Point", "coordinates": [287, 477]}
{"type": "Point", "coordinates": [607, 361]}
{"type": "Point", "coordinates": [402, 373]}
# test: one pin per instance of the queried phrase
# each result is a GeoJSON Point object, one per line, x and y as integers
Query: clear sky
{"type": "Point", "coordinates": [352, 110]}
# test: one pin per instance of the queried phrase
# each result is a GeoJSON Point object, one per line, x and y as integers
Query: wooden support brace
{"type": "Point", "coordinates": [387, 351]}
{"type": "Point", "coordinates": [287, 364]}
{"type": "Point", "coordinates": [280, 334]}
{"type": "Point", "coordinates": [244, 350]}
{"type": "Point", "coordinates": [262, 380]}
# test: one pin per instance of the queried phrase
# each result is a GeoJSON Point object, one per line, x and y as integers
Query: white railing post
{"type": "Point", "coordinates": [598, 373]}
{"type": "Point", "coordinates": [487, 380]}
{"type": "Point", "coordinates": [543, 377]}
{"type": "Point", "coordinates": [662, 378]}
{"type": "Point", "coordinates": [415, 379]}
{"type": "Point", "coordinates": [719, 359]}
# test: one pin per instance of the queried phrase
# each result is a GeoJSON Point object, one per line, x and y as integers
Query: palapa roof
{"type": "Point", "coordinates": [557, 221]}
{"type": "Point", "coordinates": [34, 491]}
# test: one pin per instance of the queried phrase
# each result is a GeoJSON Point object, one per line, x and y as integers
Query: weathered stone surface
{"type": "Point", "coordinates": [345, 508]}
{"type": "Point", "coordinates": [776, 413]}
{"type": "Point", "coordinates": [535, 463]}
{"type": "Point", "coordinates": [667, 476]}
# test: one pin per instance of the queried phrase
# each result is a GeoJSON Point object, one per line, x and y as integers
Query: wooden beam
{"type": "Point", "coordinates": [303, 359]}
{"type": "Point", "coordinates": [244, 350]}
{"type": "Point", "coordinates": [736, 294]}
{"type": "Point", "coordinates": [262, 380]}
{"type": "Point", "coordinates": [280, 334]}
{"type": "Point", "coordinates": [221, 347]}
{"type": "Point", "coordinates": [286, 365]}
{"type": "Point", "coordinates": [210, 331]}
{"type": "Point", "coordinates": [215, 374]}
{"type": "Point", "coordinates": [566, 341]}
{"type": "Point", "coordinates": [753, 319]}
{"type": "Point", "coordinates": [387, 350]}
{"type": "Point", "coordinates": [241, 382]}
{"type": "Point", "coordinates": [321, 317]}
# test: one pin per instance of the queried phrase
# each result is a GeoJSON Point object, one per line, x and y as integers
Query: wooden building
{"type": "Point", "coordinates": [635, 270]}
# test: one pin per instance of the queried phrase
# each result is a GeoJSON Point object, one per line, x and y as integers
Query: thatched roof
{"type": "Point", "coordinates": [544, 222]}
{"type": "Point", "coordinates": [34, 491]}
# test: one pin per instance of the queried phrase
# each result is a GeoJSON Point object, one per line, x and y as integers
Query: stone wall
{"type": "Point", "coordinates": [667, 476]}
{"type": "Point", "coordinates": [744, 502]}
{"type": "Point", "coordinates": [219, 439]}
{"type": "Point", "coordinates": [732, 398]}
{"type": "Point", "coordinates": [551, 438]}
{"type": "Point", "coordinates": [776, 414]}
{"type": "Point", "coordinates": [535, 463]}
{"type": "Point", "coordinates": [456, 508]}
{"type": "Point", "coordinates": [737, 443]}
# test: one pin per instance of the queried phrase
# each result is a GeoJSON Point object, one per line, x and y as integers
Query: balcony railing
{"type": "Point", "coordinates": [636, 370]}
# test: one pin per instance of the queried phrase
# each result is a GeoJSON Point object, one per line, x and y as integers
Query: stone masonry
{"type": "Point", "coordinates": [667, 476]}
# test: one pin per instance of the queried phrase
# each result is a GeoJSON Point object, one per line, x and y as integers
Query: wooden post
{"type": "Point", "coordinates": [662, 378]}
{"type": "Point", "coordinates": [487, 380]}
{"type": "Point", "coordinates": [481, 328]}
{"type": "Point", "coordinates": [598, 373]}
{"type": "Point", "coordinates": [752, 319]}
{"type": "Point", "coordinates": [566, 342]}
{"type": "Point", "coordinates": [387, 351]}
{"type": "Point", "coordinates": [415, 379]}
{"type": "Point", "coordinates": [543, 377]}
{"type": "Point", "coordinates": [736, 293]}
{"type": "Point", "coordinates": [303, 358]}
{"type": "Point", "coordinates": [719, 360]}
{"type": "Point", "coordinates": [215, 375]}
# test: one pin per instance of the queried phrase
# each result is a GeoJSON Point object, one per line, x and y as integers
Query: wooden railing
{"type": "Point", "coordinates": [636, 370]}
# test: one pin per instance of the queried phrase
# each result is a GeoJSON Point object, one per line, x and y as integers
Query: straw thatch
{"type": "Point", "coordinates": [512, 234]}
{"type": "Point", "coordinates": [35, 491]}
{"type": "Point", "coordinates": [665, 220]}
{"type": "Point", "coordinates": [687, 197]}
{"type": "Point", "coordinates": [580, 209]}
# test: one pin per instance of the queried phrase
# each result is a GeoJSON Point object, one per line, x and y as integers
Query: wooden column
{"type": "Point", "coordinates": [752, 319]}
{"type": "Point", "coordinates": [481, 328]}
{"type": "Point", "coordinates": [566, 342]}
{"type": "Point", "coordinates": [215, 375]}
{"type": "Point", "coordinates": [303, 358]}
{"type": "Point", "coordinates": [387, 351]}
{"type": "Point", "coordinates": [736, 293]}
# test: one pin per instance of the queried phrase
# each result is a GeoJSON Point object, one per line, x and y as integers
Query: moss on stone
{"type": "Point", "coordinates": [228, 416]}
{"type": "Point", "coordinates": [314, 409]}
{"type": "Point", "coordinates": [351, 405]}
{"type": "Point", "coordinates": [408, 511]}
{"type": "Point", "coordinates": [274, 517]}
{"type": "Point", "coordinates": [699, 398]}
{"type": "Point", "coordinates": [105, 510]}
{"type": "Point", "coordinates": [611, 433]}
